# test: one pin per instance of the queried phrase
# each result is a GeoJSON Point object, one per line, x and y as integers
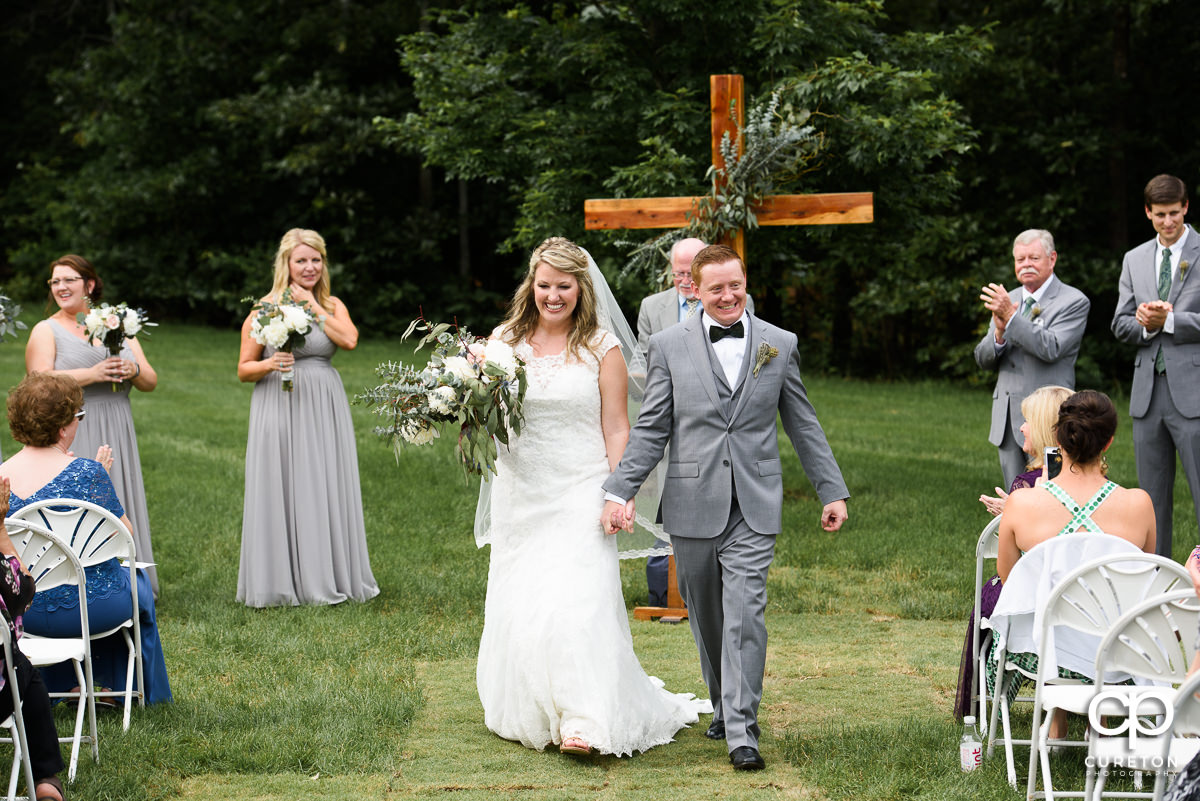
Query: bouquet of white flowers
{"type": "Point", "coordinates": [476, 384]}
{"type": "Point", "coordinates": [9, 324]}
{"type": "Point", "coordinates": [283, 326]}
{"type": "Point", "coordinates": [112, 325]}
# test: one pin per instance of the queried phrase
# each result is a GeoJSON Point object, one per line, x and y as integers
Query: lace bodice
{"type": "Point", "coordinates": [562, 435]}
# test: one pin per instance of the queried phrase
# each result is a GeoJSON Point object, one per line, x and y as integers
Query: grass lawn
{"type": "Point", "coordinates": [377, 700]}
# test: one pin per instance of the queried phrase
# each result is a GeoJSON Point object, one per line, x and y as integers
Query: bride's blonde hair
{"type": "Point", "coordinates": [565, 256]}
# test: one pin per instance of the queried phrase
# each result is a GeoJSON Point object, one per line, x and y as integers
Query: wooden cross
{"type": "Point", "coordinates": [671, 212]}
{"type": "Point", "coordinates": [725, 95]}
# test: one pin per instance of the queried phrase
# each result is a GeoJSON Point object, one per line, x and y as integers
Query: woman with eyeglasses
{"type": "Point", "coordinates": [59, 344]}
{"type": "Point", "coordinates": [45, 413]}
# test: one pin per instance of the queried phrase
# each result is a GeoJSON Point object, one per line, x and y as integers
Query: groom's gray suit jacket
{"type": "Point", "coordinates": [723, 438]}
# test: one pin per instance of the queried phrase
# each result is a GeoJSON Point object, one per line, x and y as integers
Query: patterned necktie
{"type": "Point", "coordinates": [692, 305]}
{"type": "Point", "coordinates": [1164, 289]}
{"type": "Point", "coordinates": [1028, 307]}
{"type": "Point", "coordinates": [1164, 275]}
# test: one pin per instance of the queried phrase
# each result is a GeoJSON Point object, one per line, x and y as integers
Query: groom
{"type": "Point", "coordinates": [713, 387]}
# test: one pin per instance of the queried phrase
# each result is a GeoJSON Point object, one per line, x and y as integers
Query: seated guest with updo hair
{"type": "Point", "coordinates": [44, 411]}
{"type": "Point", "coordinates": [1084, 431]}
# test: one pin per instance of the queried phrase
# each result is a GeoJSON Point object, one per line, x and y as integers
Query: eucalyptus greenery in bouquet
{"type": "Point", "coordinates": [112, 325]}
{"type": "Point", "coordinates": [283, 326]}
{"type": "Point", "coordinates": [9, 311]}
{"type": "Point", "coordinates": [470, 382]}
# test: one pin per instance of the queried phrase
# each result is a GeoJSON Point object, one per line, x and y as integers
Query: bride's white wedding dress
{"type": "Point", "coordinates": [556, 659]}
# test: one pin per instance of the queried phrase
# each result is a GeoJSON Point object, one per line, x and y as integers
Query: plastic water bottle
{"type": "Point", "coordinates": [970, 749]}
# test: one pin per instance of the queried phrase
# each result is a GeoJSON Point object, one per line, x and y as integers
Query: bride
{"type": "Point", "coordinates": [556, 661]}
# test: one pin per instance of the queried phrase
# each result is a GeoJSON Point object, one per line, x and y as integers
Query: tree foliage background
{"type": "Point", "coordinates": [435, 143]}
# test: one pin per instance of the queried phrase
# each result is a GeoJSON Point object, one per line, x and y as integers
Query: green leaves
{"type": "Point", "coordinates": [475, 385]}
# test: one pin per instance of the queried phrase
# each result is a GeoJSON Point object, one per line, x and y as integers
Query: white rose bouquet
{"type": "Point", "coordinates": [476, 384]}
{"type": "Point", "coordinates": [112, 325]}
{"type": "Point", "coordinates": [283, 326]}
{"type": "Point", "coordinates": [9, 311]}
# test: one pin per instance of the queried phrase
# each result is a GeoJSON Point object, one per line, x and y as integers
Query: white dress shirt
{"type": "Point", "coordinates": [730, 350]}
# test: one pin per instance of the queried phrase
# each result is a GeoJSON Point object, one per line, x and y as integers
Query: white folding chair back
{"type": "Point", "coordinates": [1185, 728]}
{"type": "Point", "coordinates": [15, 722]}
{"type": "Point", "coordinates": [96, 535]}
{"type": "Point", "coordinates": [986, 549]}
{"type": "Point", "coordinates": [51, 564]}
{"type": "Point", "coordinates": [1084, 606]}
{"type": "Point", "coordinates": [1154, 642]}
{"type": "Point", "coordinates": [1059, 600]}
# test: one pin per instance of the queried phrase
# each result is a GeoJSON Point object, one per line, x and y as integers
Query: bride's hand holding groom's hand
{"type": "Point", "coordinates": [616, 517]}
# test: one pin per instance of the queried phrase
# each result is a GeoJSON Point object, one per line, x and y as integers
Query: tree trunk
{"type": "Point", "coordinates": [464, 241]}
{"type": "Point", "coordinates": [1118, 220]}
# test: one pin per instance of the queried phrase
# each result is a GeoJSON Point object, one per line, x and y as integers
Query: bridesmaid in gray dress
{"type": "Point", "coordinates": [303, 539]}
{"type": "Point", "coordinates": [59, 344]}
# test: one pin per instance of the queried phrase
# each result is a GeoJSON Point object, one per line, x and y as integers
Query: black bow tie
{"type": "Point", "coordinates": [716, 333]}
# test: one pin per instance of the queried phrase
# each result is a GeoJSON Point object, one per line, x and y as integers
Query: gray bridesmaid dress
{"type": "Point", "coordinates": [303, 538]}
{"type": "Point", "coordinates": [109, 421]}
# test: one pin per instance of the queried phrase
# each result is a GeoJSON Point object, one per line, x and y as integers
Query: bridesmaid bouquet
{"type": "Point", "coordinates": [112, 325]}
{"type": "Point", "coordinates": [9, 310]}
{"type": "Point", "coordinates": [476, 384]}
{"type": "Point", "coordinates": [283, 326]}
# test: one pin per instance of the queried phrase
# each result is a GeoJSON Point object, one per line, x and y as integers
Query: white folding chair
{"type": "Point", "coordinates": [96, 535]}
{"type": "Point", "coordinates": [1088, 602]}
{"type": "Point", "coordinates": [1060, 599]}
{"type": "Point", "coordinates": [15, 723]}
{"type": "Point", "coordinates": [986, 549]}
{"type": "Point", "coordinates": [1155, 642]}
{"type": "Point", "coordinates": [1185, 726]}
{"type": "Point", "coordinates": [53, 564]}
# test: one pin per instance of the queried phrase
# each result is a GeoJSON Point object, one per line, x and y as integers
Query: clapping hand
{"type": "Point", "coordinates": [994, 505]}
{"type": "Point", "coordinates": [617, 517]}
{"type": "Point", "coordinates": [996, 300]}
{"type": "Point", "coordinates": [104, 456]}
{"type": "Point", "coordinates": [1153, 314]}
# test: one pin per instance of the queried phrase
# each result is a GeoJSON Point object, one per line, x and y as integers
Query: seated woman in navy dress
{"type": "Point", "coordinates": [44, 411]}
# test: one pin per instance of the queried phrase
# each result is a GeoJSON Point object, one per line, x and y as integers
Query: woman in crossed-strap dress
{"type": "Point", "coordinates": [59, 344]}
{"type": "Point", "coordinates": [1080, 499]}
{"type": "Point", "coordinates": [556, 660]}
{"type": "Point", "coordinates": [303, 536]}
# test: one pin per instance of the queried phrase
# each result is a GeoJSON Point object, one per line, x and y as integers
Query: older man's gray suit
{"type": "Point", "coordinates": [723, 498]}
{"type": "Point", "coordinates": [1165, 408]}
{"type": "Point", "coordinates": [1039, 350]}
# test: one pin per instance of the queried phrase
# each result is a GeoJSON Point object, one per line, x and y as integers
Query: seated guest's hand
{"type": "Point", "coordinates": [994, 505]}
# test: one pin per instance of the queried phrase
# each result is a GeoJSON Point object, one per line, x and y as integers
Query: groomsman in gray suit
{"type": "Point", "coordinates": [714, 385]}
{"type": "Point", "coordinates": [1158, 309]}
{"type": "Point", "coordinates": [1032, 341]}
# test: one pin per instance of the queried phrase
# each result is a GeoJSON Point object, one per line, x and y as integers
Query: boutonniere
{"type": "Point", "coordinates": [764, 355]}
{"type": "Point", "coordinates": [1035, 312]}
{"type": "Point", "coordinates": [1183, 265]}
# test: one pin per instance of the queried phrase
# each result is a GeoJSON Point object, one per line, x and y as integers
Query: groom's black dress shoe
{"type": "Point", "coordinates": [716, 731]}
{"type": "Point", "coordinates": [746, 757]}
